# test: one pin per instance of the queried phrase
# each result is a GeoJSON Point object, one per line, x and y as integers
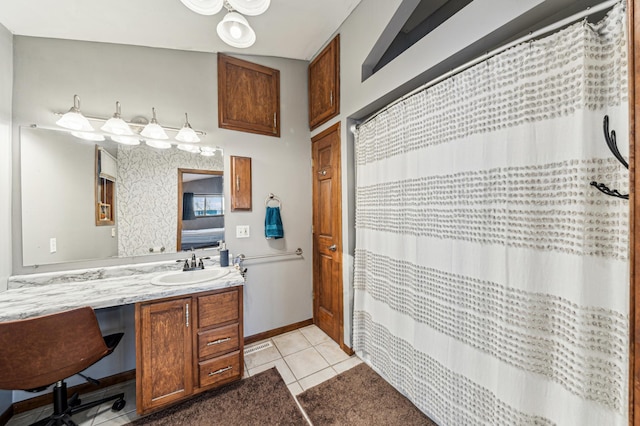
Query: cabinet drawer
{"type": "Point", "coordinates": [218, 341]}
{"type": "Point", "coordinates": [218, 308]}
{"type": "Point", "coordinates": [219, 369]}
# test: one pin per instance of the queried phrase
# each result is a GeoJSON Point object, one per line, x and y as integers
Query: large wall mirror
{"type": "Point", "coordinates": [58, 193]}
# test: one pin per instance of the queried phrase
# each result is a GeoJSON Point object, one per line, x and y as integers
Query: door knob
{"type": "Point", "coordinates": [332, 247]}
{"type": "Point", "coordinates": [322, 172]}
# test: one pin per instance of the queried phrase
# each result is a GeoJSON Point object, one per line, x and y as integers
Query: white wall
{"type": "Point", "coordinates": [6, 86]}
{"type": "Point", "coordinates": [474, 29]}
{"type": "Point", "coordinates": [49, 72]}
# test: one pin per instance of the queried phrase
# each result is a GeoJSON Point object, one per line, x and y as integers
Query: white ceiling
{"type": "Point", "coordinates": [294, 29]}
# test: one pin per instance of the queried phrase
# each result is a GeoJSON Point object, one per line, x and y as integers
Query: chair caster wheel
{"type": "Point", "coordinates": [118, 405]}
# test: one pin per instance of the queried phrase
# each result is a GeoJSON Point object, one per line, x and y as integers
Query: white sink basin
{"type": "Point", "coordinates": [189, 277]}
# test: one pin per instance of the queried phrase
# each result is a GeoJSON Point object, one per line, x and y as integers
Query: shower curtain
{"type": "Point", "coordinates": [491, 280]}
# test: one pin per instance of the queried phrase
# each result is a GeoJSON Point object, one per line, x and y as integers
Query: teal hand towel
{"type": "Point", "coordinates": [273, 223]}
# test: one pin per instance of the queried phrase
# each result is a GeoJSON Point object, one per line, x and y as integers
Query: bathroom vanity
{"type": "Point", "coordinates": [188, 325]}
{"type": "Point", "coordinates": [186, 345]}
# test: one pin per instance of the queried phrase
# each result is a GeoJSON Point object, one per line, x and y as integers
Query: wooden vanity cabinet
{"type": "Point", "coordinates": [324, 84]}
{"type": "Point", "coordinates": [248, 96]}
{"type": "Point", "coordinates": [187, 345]}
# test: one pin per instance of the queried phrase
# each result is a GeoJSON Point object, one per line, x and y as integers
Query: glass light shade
{"type": "Point", "coordinates": [117, 126]}
{"type": "Point", "coordinates": [208, 151]}
{"type": "Point", "coordinates": [189, 148]}
{"type": "Point", "coordinates": [204, 7]}
{"type": "Point", "coordinates": [250, 7]}
{"type": "Point", "coordinates": [126, 140]}
{"type": "Point", "coordinates": [235, 31]}
{"type": "Point", "coordinates": [74, 120]}
{"type": "Point", "coordinates": [154, 131]}
{"type": "Point", "coordinates": [188, 135]}
{"type": "Point", "coordinates": [88, 136]}
{"type": "Point", "coordinates": [158, 144]}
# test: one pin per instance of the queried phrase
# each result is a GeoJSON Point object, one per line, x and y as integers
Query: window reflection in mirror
{"type": "Point", "coordinates": [201, 203]}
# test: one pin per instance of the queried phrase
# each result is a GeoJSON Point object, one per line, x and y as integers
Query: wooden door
{"type": "Point", "coordinates": [327, 233]}
{"type": "Point", "coordinates": [164, 362]}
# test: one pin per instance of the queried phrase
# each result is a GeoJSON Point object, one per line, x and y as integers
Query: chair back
{"type": "Point", "coordinates": [39, 351]}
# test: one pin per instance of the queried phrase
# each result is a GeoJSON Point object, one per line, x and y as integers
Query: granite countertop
{"type": "Point", "coordinates": [40, 294]}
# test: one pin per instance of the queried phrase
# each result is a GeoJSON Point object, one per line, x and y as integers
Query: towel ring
{"type": "Point", "coordinates": [272, 197]}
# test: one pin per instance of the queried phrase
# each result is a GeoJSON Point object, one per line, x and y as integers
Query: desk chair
{"type": "Point", "coordinates": [37, 352]}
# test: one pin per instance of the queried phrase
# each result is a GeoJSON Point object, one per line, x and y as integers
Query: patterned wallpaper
{"type": "Point", "coordinates": [147, 194]}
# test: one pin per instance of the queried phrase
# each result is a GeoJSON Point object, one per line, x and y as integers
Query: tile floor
{"type": "Point", "coordinates": [305, 358]}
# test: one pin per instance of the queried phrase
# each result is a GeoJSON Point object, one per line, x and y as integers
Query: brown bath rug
{"type": "Point", "coordinates": [359, 396]}
{"type": "Point", "coordinates": [263, 399]}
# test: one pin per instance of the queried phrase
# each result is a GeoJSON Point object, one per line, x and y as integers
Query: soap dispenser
{"type": "Point", "coordinates": [224, 254]}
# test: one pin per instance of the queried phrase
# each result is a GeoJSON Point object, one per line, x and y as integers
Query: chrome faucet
{"type": "Point", "coordinates": [195, 263]}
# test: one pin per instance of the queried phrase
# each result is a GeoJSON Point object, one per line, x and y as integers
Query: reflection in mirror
{"type": "Point", "coordinates": [58, 193]}
{"type": "Point", "coordinates": [201, 201]}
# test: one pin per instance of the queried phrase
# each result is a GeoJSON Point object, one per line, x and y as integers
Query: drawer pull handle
{"type": "Point", "coordinates": [217, 342]}
{"type": "Point", "coordinates": [222, 370]}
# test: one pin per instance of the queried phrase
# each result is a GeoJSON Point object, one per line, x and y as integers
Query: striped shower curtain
{"type": "Point", "coordinates": [491, 280]}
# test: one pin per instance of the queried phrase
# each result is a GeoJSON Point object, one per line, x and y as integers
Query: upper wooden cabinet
{"type": "Point", "coordinates": [324, 84]}
{"type": "Point", "coordinates": [240, 183]}
{"type": "Point", "coordinates": [248, 97]}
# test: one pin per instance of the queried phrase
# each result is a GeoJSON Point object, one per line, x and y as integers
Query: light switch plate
{"type": "Point", "coordinates": [53, 245]}
{"type": "Point", "coordinates": [242, 231]}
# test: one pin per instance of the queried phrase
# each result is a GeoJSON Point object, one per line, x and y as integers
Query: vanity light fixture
{"type": "Point", "coordinates": [158, 144]}
{"type": "Point", "coordinates": [116, 124]}
{"type": "Point", "coordinates": [186, 134]}
{"type": "Point", "coordinates": [209, 151]}
{"type": "Point", "coordinates": [74, 120]}
{"type": "Point", "coordinates": [126, 140]}
{"type": "Point", "coordinates": [234, 29]}
{"type": "Point", "coordinates": [153, 130]}
{"type": "Point", "coordinates": [189, 148]}
{"type": "Point", "coordinates": [88, 136]}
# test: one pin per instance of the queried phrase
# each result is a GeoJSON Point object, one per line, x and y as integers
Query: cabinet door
{"type": "Point", "coordinates": [164, 370]}
{"type": "Point", "coordinates": [248, 97]}
{"type": "Point", "coordinates": [240, 183]}
{"type": "Point", "coordinates": [324, 84]}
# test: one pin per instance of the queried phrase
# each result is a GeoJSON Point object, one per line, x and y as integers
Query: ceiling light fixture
{"type": "Point", "coordinates": [187, 134]}
{"type": "Point", "coordinates": [234, 29]}
{"type": "Point", "coordinates": [116, 124]}
{"type": "Point", "coordinates": [74, 120]}
{"type": "Point", "coordinates": [204, 7]}
{"type": "Point", "coordinates": [153, 130]}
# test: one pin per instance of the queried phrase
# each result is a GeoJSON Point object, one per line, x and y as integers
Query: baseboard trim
{"type": "Point", "coordinates": [42, 400]}
{"type": "Point", "coordinates": [276, 331]}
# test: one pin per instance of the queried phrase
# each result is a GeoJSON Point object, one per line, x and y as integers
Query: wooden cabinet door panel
{"type": "Point", "coordinates": [240, 183]}
{"type": "Point", "coordinates": [324, 84]}
{"type": "Point", "coordinates": [248, 97]}
{"type": "Point", "coordinates": [164, 353]}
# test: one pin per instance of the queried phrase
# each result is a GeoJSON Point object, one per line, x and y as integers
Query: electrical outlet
{"type": "Point", "coordinates": [242, 231]}
{"type": "Point", "coordinates": [53, 245]}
